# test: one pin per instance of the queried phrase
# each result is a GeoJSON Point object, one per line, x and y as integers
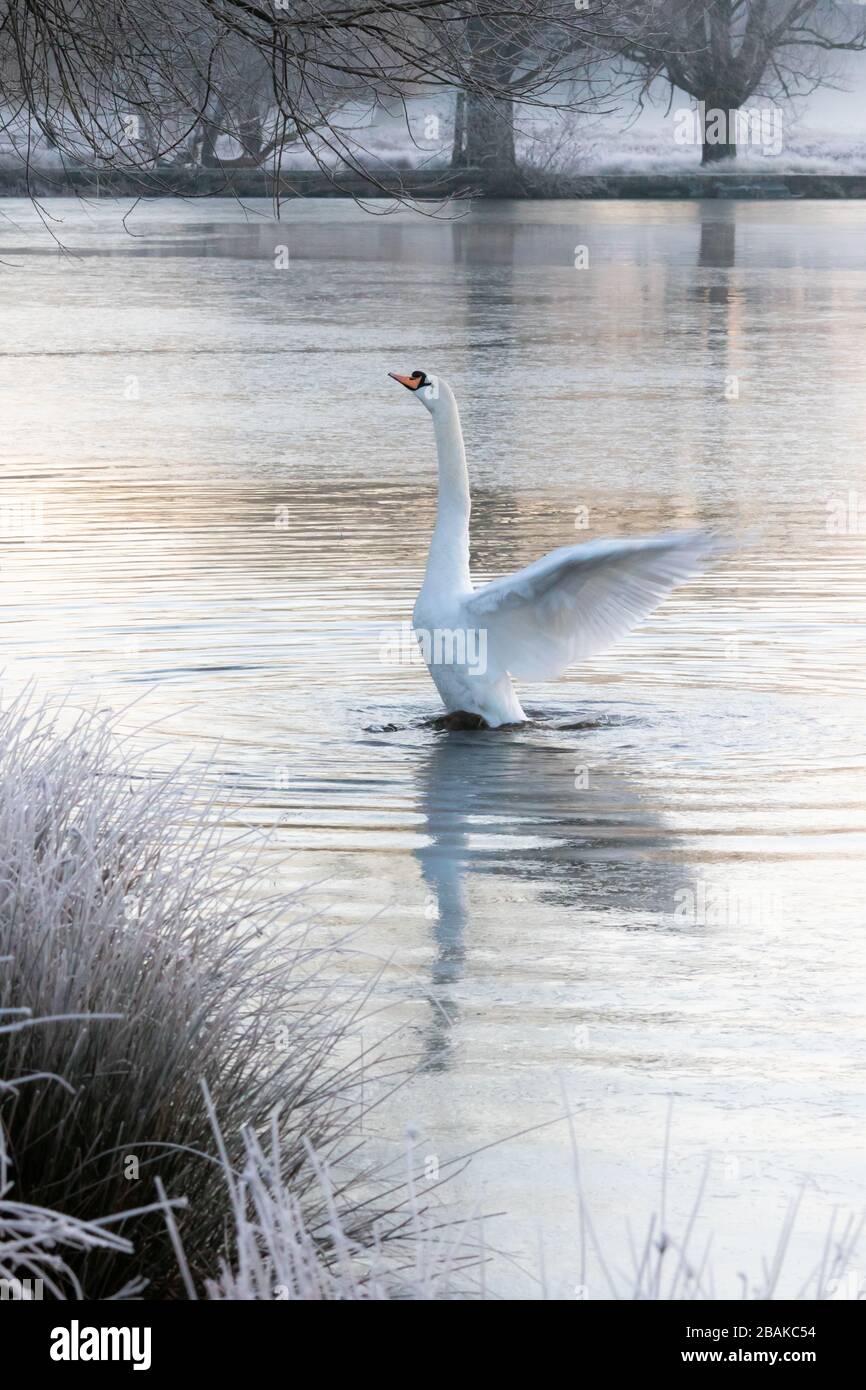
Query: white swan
{"type": "Point", "coordinates": [563, 608]}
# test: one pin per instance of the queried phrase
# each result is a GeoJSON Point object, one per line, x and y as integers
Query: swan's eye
{"type": "Point", "coordinates": [421, 378]}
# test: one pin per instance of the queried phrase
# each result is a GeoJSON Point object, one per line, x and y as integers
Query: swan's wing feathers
{"type": "Point", "coordinates": [580, 599]}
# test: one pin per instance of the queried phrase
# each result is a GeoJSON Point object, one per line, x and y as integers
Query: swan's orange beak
{"type": "Point", "coordinates": [410, 382]}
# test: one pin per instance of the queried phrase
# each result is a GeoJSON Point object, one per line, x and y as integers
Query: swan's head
{"type": "Point", "coordinates": [429, 389]}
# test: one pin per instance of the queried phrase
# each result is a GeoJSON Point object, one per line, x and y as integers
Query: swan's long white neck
{"type": "Point", "coordinates": [448, 559]}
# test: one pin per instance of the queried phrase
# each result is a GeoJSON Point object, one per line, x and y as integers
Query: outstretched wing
{"type": "Point", "coordinates": [579, 600]}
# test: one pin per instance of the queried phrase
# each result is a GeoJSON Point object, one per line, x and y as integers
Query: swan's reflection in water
{"type": "Point", "coordinates": [533, 806]}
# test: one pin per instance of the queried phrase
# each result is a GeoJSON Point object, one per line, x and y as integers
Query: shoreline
{"type": "Point", "coordinates": [435, 185]}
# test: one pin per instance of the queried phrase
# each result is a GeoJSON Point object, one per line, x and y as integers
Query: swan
{"type": "Point", "coordinates": [531, 625]}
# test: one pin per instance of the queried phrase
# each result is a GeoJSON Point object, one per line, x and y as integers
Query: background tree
{"type": "Point", "coordinates": [562, 50]}
{"type": "Point", "coordinates": [723, 52]}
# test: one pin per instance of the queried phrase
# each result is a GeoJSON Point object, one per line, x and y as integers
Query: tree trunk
{"type": "Point", "coordinates": [458, 149]}
{"type": "Point", "coordinates": [719, 130]}
{"type": "Point", "coordinates": [151, 140]}
{"type": "Point", "coordinates": [486, 119]}
{"type": "Point", "coordinates": [210, 131]}
{"type": "Point", "coordinates": [250, 137]}
{"type": "Point", "coordinates": [490, 135]}
{"type": "Point", "coordinates": [712, 154]}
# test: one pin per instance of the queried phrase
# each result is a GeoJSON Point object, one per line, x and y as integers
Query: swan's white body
{"type": "Point", "coordinates": [533, 624]}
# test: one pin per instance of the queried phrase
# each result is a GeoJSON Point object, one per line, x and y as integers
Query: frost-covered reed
{"type": "Point", "coordinates": [162, 974]}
